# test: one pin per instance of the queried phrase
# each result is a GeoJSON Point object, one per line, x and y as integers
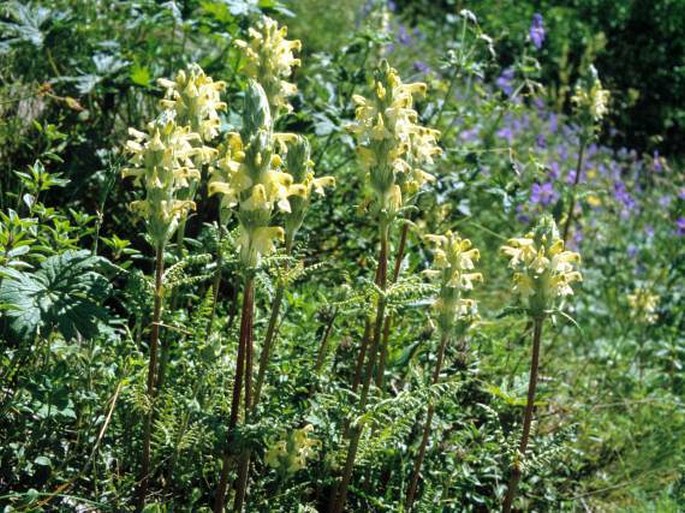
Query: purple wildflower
{"type": "Point", "coordinates": [621, 195]}
{"type": "Point", "coordinates": [540, 141]}
{"type": "Point", "coordinates": [421, 67]}
{"type": "Point", "coordinates": [681, 193]}
{"type": "Point", "coordinates": [665, 201]}
{"type": "Point", "coordinates": [469, 135]}
{"type": "Point", "coordinates": [521, 215]}
{"type": "Point", "coordinates": [649, 231]}
{"type": "Point", "coordinates": [403, 36]}
{"type": "Point", "coordinates": [537, 31]}
{"type": "Point", "coordinates": [543, 194]}
{"type": "Point", "coordinates": [505, 81]}
{"type": "Point", "coordinates": [632, 250]}
{"type": "Point", "coordinates": [656, 162]}
{"type": "Point", "coordinates": [554, 170]}
{"type": "Point", "coordinates": [553, 122]}
{"type": "Point", "coordinates": [392, 6]}
{"type": "Point", "coordinates": [680, 226]}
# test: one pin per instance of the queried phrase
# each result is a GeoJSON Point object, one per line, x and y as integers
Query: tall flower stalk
{"type": "Point", "coordinates": [249, 178]}
{"type": "Point", "coordinates": [163, 164]}
{"type": "Point", "coordinates": [591, 104]}
{"type": "Point", "coordinates": [299, 164]}
{"type": "Point", "coordinates": [543, 273]}
{"type": "Point", "coordinates": [453, 269]}
{"type": "Point", "coordinates": [392, 147]}
{"type": "Point", "coordinates": [194, 99]}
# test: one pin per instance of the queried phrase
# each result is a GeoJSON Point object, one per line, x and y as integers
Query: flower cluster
{"type": "Point", "coordinates": [537, 31]}
{"type": "Point", "coordinates": [270, 61]}
{"type": "Point", "coordinates": [162, 161]}
{"type": "Point", "coordinates": [543, 270]}
{"type": "Point", "coordinates": [290, 455]}
{"type": "Point", "coordinates": [248, 175]}
{"type": "Point", "coordinates": [165, 160]}
{"type": "Point", "coordinates": [453, 267]}
{"type": "Point", "coordinates": [195, 98]}
{"type": "Point", "coordinates": [392, 145]}
{"type": "Point", "coordinates": [590, 99]}
{"type": "Point", "coordinates": [301, 168]}
{"type": "Point", "coordinates": [643, 306]}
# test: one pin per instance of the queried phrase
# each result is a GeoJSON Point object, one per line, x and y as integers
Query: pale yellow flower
{"type": "Point", "coordinates": [643, 306]}
{"type": "Point", "coordinates": [248, 175]}
{"type": "Point", "coordinates": [590, 98]}
{"type": "Point", "coordinates": [195, 98]}
{"type": "Point", "coordinates": [391, 145]}
{"type": "Point", "coordinates": [162, 162]}
{"type": "Point", "coordinates": [270, 60]}
{"type": "Point", "coordinates": [453, 265]}
{"type": "Point", "coordinates": [544, 270]}
{"type": "Point", "coordinates": [291, 454]}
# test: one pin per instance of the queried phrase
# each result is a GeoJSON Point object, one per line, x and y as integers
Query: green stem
{"type": "Point", "coordinates": [245, 341]}
{"type": "Point", "coordinates": [411, 492]}
{"type": "Point", "coordinates": [576, 180]}
{"type": "Point", "coordinates": [527, 418]}
{"type": "Point", "coordinates": [151, 377]}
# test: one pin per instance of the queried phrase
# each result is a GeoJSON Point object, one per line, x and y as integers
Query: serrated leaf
{"type": "Point", "coordinates": [65, 294]}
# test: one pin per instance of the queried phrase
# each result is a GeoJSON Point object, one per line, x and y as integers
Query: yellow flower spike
{"type": "Point", "coordinates": [161, 162]}
{"type": "Point", "coordinates": [195, 98]}
{"type": "Point", "coordinates": [391, 145]}
{"type": "Point", "coordinates": [270, 61]}
{"type": "Point", "coordinates": [453, 259]}
{"type": "Point", "coordinates": [544, 271]}
{"type": "Point", "coordinates": [643, 306]}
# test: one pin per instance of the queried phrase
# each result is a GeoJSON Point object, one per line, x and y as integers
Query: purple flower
{"type": "Point", "coordinates": [521, 215]}
{"type": "Point", "coordinates": [649, 231]}
{"type": "Point", "coordinates": [680, 227]}
{"type": "Point", "coordinates": [543, 194]}
{"type": "Point", "coordinates": [681, 193]}
{"type": "Point", "coordinates": [506, 133]}
{"type": "Point", "coordinates": [554, 170]}
{"type": "Point", "coordinates": [657, 162]}
{"type": "Point", "coordinates": [403, 36]}
{"type": "Point", "coordinates": [537, 31]}
{"type": "Point", "coordinates": [665, 201]}
{"type": "Point", "coordinates": [577, 239]}
{"type": "Point", "coordinates": [540, 141]}
{"type": "Point", "coordinates": [469, 135]}
{"type": "Point", "coordinates": [421, 67]}
{"type": "Point", "coordinates": [553, 122]}
{"type": "Point", "coordinates": [505, 81]}
{"type": "Point", "coordinates": [621, 195]}
{"type": "Point", "coordinates": [392, 6]}
{"type": "Point", "coordinates": [632, 250]}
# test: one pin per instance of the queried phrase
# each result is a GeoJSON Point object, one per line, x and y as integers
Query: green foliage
{"type": "Point", "coordinates": [64, 294]}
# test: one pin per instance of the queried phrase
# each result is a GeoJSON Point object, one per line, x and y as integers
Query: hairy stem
{"type": "Point", "coordinates": [238, 383]}
{"type": "Point", "coordinates": [527, 418]}
{"type": "Point", "coordinates": [151, 377]}
{"type": "Point", "coordinates": [414, 482]}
